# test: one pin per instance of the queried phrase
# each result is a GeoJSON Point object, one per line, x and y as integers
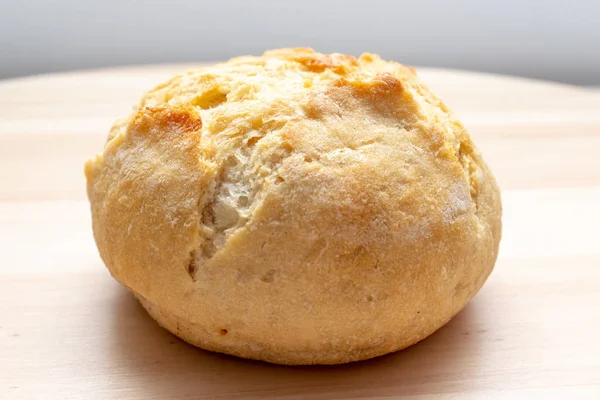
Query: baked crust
{"type": "Point", "coordinates": [297, 208]}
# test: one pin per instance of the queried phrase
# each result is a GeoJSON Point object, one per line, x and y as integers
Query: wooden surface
{"type": "Point", "coordinates": [68, 331]}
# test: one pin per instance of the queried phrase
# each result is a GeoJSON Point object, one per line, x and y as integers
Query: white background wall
{"type": "Point", "coordinates": [552, 39]}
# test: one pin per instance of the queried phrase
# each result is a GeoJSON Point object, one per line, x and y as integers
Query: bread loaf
{"type": "Point", "coordinates": [297, 207]}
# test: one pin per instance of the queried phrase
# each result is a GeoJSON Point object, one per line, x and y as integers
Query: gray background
{"type": "Point", "coordinates": [552, 39]}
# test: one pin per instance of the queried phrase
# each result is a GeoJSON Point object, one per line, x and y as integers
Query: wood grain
{"type": "Point", "coordinates": [68, 331]}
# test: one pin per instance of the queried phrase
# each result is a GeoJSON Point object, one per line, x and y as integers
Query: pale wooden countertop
{"type": "Point", "coordinates": [68, 331]}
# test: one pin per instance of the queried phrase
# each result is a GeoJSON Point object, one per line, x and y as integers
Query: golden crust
{"type": "Point", "coordinates": [297, 208]}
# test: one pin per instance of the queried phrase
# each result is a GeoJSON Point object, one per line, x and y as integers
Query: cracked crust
{"type": "Point", "coordinates": [297, 208]}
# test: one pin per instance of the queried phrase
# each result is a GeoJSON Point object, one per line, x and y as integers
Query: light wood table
{"type": "Point", "coordinates": [68, 331]}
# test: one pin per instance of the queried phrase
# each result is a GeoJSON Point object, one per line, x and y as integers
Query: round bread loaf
{"type": "Point", "coordinates": [297, 208]}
